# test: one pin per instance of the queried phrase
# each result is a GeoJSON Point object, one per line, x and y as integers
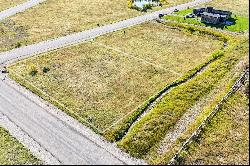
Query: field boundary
{"type": "Point", "coordinates": [177, 157]}
{"type": "Point", "coordinates": [27, 84]}
{"type": "Point", "coordinates": [114, 133]}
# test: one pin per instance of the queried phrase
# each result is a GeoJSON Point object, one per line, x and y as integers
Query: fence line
{"type": "Point", "coordinates": [198, 131]}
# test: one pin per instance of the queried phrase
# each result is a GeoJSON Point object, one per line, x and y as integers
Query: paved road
{"type": "Point", "coordinates": [19, 8]}
{"type": "Point", "coordinates": [67, 145]}
{"type": "Point", "coordinates": [49, 45]}
{"type": "Point", "coordinates": [61, 140]}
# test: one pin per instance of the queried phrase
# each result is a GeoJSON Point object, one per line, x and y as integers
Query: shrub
{"type": "Point", "coordinates": [46, 69]}
{"type": "Point", "coordinates": [33, 70]}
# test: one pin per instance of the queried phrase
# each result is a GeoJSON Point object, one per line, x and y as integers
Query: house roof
{"type": "Point", "coordinates": [211, 14]}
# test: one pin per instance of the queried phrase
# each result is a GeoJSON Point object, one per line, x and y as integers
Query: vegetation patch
{"type": "Point", "coordinates": [56, 18]}
{"type": "Point", "coordinates": [102, 81]}
{"type": "Point", "coordinates": [240, 23]}
{"type": "Point", "coordinates": [240, 16]}
{"type": "Point", "coordinates": [239, 7]}
{"type": "Point", "coordinates": [218, 144]}
{"type": "Point", "coordinates": [151, 129]}
{"type": "Point", "coordinates": [14, 153]}
{"type": "Point", "coordinates": [205, 105]}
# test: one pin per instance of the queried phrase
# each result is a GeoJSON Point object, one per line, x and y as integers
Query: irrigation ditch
{"type": "Point", "coordinates": [119, 130]}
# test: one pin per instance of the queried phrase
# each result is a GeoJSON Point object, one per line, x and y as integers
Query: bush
{"type": "Point", "coordinates": [46, 69]}
{"type": "Point", "coordinates": [33, 70]}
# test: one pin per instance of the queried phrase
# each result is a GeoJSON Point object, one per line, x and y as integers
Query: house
{"type": "Point", "coordinates": [211, 15]}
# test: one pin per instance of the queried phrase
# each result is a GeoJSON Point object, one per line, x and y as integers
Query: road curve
{"type": "Point", "coordinates": [19, 8]}
{"type": "Point", "coordinates": [71, 39]}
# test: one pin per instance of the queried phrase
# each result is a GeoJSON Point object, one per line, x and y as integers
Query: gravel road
{"type": "Point", "coordinates": [64, 142]}
{"type": "Point", "coordinates": [59, 139]}
{"type": "Point", "coordinates": [75, 38]}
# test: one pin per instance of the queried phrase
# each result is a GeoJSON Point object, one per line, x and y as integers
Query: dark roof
{"type": "Point", "coordinates": [210, 14]}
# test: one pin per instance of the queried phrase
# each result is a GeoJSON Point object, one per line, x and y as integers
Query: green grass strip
{"type": "Point", "coordinates": [14, 153]}
{"type": "Point", "coordinates": [116, 132]}
{"type": "Point", "coordinates": [241, 23]}
{"type": "Point", "coordinates": [152, 128]}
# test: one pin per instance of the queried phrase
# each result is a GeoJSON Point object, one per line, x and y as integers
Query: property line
{"type": "Point", "coordinates": [140, 59]}
{"type": "Point", "coordinates": [75, 38]}
{"type": "Point", "coordinates": [197, 132]}
{"type": "Point", "coordinates": [53, 99]}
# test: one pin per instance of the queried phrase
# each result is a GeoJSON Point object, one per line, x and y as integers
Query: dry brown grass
{"type": "Point", "coordinates": [238, 7]}
{"type": "Point", "coordinates": [226, 139]}
{"type": "Point", "coordinates": [55, 18]}
{"type": "Point", "coordinates": [101, 84]}
{"type": "Point", "coordinates": [5, 4]}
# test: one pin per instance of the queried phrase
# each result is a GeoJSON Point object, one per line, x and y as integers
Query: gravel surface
{"type": "Point", "coordinates": [64, 138]}
{"type": "Point", "coordinates": [75, 38]}
{"type": "Point", "coordinates": [49, 133]}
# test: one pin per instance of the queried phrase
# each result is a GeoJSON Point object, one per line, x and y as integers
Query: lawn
{"type": "Point", "coordinates": [241, 23]}
{"type": "Point", "coordinates": [225, 140]}
{"type": "Point", "coordinates": [5, 4]}
{"type": "Point", "coordinates": [14, 153]}
{"type": "Point", "coordinates": [240, 17]}
{"type": "Point", "coordinates": [55, 18]}
{"type": "Point", "coordinates": [101, 81]}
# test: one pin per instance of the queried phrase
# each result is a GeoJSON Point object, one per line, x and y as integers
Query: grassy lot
{"type": "Point", "coordinates": [239, 7]}
{"type": "Point", "coordinates": [13, 153]}
{"type": "Point", "coordinates": [102, 81]}
{"type": "Point", "coordinates": [151, 129]}
{"type": "Point", "coordinates": [225, 140]}
{"type": "Point", "coordinates": [55, 18]}
{"type": "Point", "coordinates": [162, 154]}
{"type": "Point", "coordinates": [5, 4]}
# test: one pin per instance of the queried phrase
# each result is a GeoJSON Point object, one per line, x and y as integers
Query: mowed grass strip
{"type": "Point", "coordinates": [14, 153]}
{"type": "Point", "coordinates": [240, 16]}
{"type": "Point", "coordinates": [225, 140]}
{"type": "Point", "coordinates": [152, 128]}
{"type": "Point", "coordinates": [101, 84]}
{"type": "Point", "coordinates": [55, 18]}
{"type": "Point", "coordinates": [5, 4]}
{"type": "Point", "coordinates": [241, 23]}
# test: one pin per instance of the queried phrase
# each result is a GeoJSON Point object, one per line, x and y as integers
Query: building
{"type": "Point", "coordinates": [212, 16]}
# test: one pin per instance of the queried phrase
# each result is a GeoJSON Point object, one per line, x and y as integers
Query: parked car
{"type": "Point", "coordinates": [161, 15]}
{"type": "Point", "coordinates": [176, 10]}
{"type": "Point", "coordinates": [190, 15]}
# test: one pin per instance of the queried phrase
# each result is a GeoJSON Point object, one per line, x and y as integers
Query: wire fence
{"type": "Point", "coordinates": [198, 131]}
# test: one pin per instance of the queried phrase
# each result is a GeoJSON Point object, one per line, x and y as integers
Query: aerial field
{"type": "Point", "coordinates": [103, 80]}
{"type": "Point", "coordinates": [225, 140]}
{"type": "Point", "coordinates": [5, 4]}
{"type": "Point", "coordinates": [55, 18]}
{"type": "Point", "coordinates": [13, 153]}
{"type": "Point", "coordinates": [146, 136]}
